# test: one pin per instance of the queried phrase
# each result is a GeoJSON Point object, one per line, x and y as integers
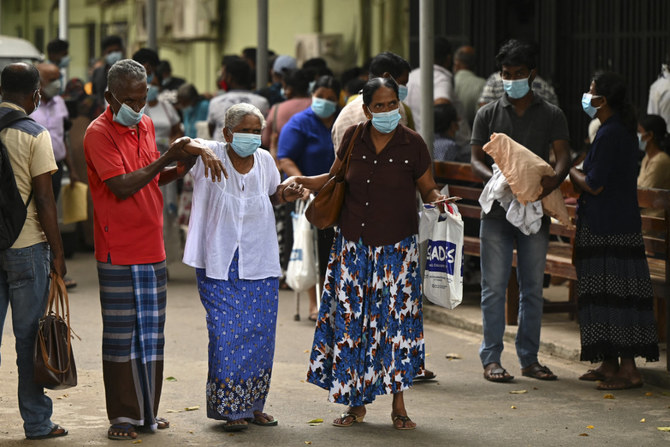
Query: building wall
{"type": "Point", "coordinates": [366, 28]}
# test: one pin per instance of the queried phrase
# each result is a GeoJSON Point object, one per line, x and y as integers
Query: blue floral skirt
{"type": "Point", "coordinates": [369, 334]}
{"type": "Point", "coordinates": [241, 321]}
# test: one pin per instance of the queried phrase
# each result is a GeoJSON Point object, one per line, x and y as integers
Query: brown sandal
{"type": "Point", "coordinates": [494, 369]}
{"type": "Point", "coordinates": [537, 371]}
{"type": "Point", "coordinates": [340, 422]}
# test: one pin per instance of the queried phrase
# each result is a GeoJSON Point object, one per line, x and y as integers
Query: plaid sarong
{"type": "Point", "coordinates": [133, 301]}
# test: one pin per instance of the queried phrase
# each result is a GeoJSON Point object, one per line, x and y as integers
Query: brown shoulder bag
{"type": "Point", "coordinates": [324, 211]}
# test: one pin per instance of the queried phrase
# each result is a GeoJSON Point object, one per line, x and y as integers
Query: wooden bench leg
{"type": "Point", "coordinates": [512, 300]}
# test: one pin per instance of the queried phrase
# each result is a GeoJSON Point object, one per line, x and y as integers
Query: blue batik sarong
{"type": "Point", "coordinates": [241, 321]}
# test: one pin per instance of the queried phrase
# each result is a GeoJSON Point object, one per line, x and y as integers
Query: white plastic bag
{"type": "Point", "coordinates": [301, 271]}
{"type": "Point", "coordinates": [443, 277]}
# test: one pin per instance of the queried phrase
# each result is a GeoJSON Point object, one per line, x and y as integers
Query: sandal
{"type": "Point", "coordinates": [537, 371]}
{"type": "Point", "coordinates": [616, 383]}
{"type": "Point", "coordinates": [313, 316]}
{"type": "Point", "coordinates": [493, 372]}
{"type": "Point", "coordinates": [341, 421]}
{"type": "Point", "coordinates": [121, 432]}
{"type": "Point", "coordinates": [270, 421]}
{"type": "Point", "coordinates": [426, 376]}
{"type": "Point", "coordinates": [236, 425]}
{"type": "Point", "coordinates": [404, 420]}
{"type": "Point", "coordinates": [56, 432]}
{"type": "Point", "coordinates": [592, 375]}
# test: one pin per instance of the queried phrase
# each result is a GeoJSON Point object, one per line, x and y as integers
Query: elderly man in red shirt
{"type": "Point", "coordinates": [125, 170]}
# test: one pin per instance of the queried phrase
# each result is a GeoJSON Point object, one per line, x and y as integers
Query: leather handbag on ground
{"type": "Point", "coordinates": [324, 211]}
{"type": "Point", "coordinates": [53, 360]}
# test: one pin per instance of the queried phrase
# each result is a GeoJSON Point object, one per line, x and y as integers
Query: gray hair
{"type": "Point", "coordinates": [235, 114]}
{"type": "Point", "coordinates": [123, 72]}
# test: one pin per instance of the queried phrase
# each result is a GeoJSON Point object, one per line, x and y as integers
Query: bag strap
{"type": "Point", "coordinates": [347, 156]}
{"type": "Point", "coordinates": [57, 298]}
{"type": "Point", "coordinates": [7, 120]}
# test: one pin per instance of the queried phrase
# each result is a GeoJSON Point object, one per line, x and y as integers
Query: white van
{"type": "Point", "coordinates": [14, 49]}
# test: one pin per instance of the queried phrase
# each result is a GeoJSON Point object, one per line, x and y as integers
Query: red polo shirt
{"type": "Point", "coordinates": [129, 231]}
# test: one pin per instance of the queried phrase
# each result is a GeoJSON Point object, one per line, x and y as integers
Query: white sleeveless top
{"type": "Point", "coordinates": [235, 213]}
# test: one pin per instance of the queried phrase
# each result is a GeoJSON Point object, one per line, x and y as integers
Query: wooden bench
{"type": "Point", "coordinates": [464, 183]}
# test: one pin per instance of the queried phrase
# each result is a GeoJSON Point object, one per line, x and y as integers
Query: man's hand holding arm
{"type": "Point", "coordinates": [562, 153]}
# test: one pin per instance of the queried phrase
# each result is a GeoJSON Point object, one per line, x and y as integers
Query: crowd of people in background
{"type": "Point", "coordinates": [305, 119]}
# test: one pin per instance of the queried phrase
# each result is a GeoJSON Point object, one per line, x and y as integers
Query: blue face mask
{"type": "Point", "coordinates": [150, 78]}
{"type": "Point", "coordinates": [113, 57]}
{"type": "Point", "coordinates": [386, 122]}
{"type": "Point", "coordinates": [126, 116]}
{"type": "Point", "coordinates": [245, 144]}
{"type": "Point", "coordinates": [586, 105]}
{"type": "Point", "coordinates": [641, 143]}
{"type": "Point", "coordinates": [402, 92]}
{"type": "Point", "coordinates": [517, 88]}
{"type": "Point", "coordinates": [323, 108]}
{"type": "Point", "coordinates": [64, 62]}
{"type": "Point", "coordinates": [152, 93]}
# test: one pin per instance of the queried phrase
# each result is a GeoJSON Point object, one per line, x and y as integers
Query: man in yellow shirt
{"type": "Point", "coordinates": [25, 266]}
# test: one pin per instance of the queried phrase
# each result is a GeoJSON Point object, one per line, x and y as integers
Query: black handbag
{"type": "Point", "coordinates": [54, 366]}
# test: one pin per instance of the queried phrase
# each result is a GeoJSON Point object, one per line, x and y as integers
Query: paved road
{"type": "Point", "coordinates": [460, 409]}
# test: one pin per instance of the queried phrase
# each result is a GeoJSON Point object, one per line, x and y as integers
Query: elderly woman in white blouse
{"type": "Point", "coordinates": [232, 243]}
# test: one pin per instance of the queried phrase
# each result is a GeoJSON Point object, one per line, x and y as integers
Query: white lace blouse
{"type": "Point", "coordinates": [233, 214]}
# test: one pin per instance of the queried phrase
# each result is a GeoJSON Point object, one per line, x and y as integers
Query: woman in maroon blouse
{"type": "Point", "coordinates": [369, 334]}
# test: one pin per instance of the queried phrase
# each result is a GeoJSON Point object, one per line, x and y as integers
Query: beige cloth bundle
{"type": "Point", "coordinates": [524, 171]}
{"type": "Point", "coordinates": [75, 202]}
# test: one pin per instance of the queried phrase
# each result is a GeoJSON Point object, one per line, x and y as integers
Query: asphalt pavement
{"type": "Point", "coordinates": [460, 408]}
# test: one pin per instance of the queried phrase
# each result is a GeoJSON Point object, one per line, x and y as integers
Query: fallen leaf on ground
{"type": "Point", "coordinates": [665, 393]}
{"type": "Point", "coordinates": [170, 379]}
{"type": "Point", "coordinates": [196, 407]}
{"type": "Point", "coordinates": [174, 411]}
{"type": "Point", "coordinates": [137, 441]}
{"type": "Point", "coordinates": [316, 421]}
{"type": "Point", "coordinates": [583, 434]}
{"type": "Point", "coordinates": [454, 356]}
{"type": "Point", "coordinates": [306, 351]}
{"type": "Point", "coordinates": [663, 428]}
{"type": "Point", "coordinates": [308, 442]}
{"type": "Point", "coordinates": [608, 396]}
{"type": "Point", "coordinates": [513, 407]}
{"type": "Point", "coordinates": [428, 354]}
{"type": "Point", "coordinates": [649, 394]}
{"type": "Point", "coordinates": [643, 420]}
{"type": "Point", "coordinates": [590, 427]}
{"type": "Point", "coordinates": [518, 392]}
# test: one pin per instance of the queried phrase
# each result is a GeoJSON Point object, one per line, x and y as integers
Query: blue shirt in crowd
{"type": "Point", "coordinates": [192, 115]}
{"type": "Point", "coordinates": [307, 142]}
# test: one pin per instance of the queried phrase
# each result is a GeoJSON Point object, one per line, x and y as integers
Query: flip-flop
{"type": "Point", "coordinates": [494, 369]}
{"type": "Point", "coordinates": [268, 423]}
{"type": "Point", "coordinates": [56, 432]}
{"type": "Point", "coordinates": [122, 432]}
{"type": "Point", "coordinates": [354, 418]}
{"type": "Point", "coordinates": [618, 384]}
{"type": "Point", "coordinates": [592, 375]}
